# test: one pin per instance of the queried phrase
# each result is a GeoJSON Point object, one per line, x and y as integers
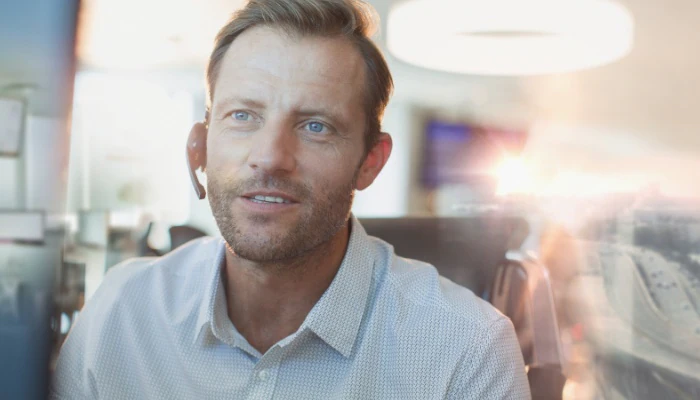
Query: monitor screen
{"type": "Point", "coordinates": [457, 152]}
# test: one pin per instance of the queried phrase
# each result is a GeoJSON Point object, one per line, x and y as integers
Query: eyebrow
{"type": "Point", "coordinates": [246, 102]}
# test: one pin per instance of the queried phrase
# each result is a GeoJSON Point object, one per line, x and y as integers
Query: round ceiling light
{"type": "Point", "coordinates": [509, 37]}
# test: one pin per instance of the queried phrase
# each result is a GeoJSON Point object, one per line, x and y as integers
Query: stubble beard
{"type": "Point", "coordinates": [319, 220]}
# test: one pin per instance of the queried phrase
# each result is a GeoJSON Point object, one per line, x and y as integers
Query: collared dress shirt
{"type": "Point", "coordinates": [386, 328]}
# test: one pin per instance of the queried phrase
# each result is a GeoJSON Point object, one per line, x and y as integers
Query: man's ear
{"type": "Point", "coordinates": [374, 161]}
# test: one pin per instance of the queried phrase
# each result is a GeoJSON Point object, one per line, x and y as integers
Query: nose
{"type": "Point", "coordinates": [273, 149]}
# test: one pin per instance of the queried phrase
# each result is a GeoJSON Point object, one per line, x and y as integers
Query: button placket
{"type": "Point", "coordinates": [265, 375]}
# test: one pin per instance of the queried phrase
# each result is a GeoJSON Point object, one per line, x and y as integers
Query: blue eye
{"type": "Point", "coordinates": [241, 116]}
{"type": "Point", "coordinates": [316, 127]}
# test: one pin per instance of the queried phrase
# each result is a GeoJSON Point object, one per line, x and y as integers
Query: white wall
{"type": "Point", "coordinates": [387, 196]}
{"type": "Point", "coordinates": [8, 183]}
{"type": "Point", "coordinates": [200, 215]}
{"type": "Point", "coordinates": [397, 191]}
{"type": "Point", "coordinates": [46, 156]}
{"type": "Point", "coordinates": [130, 136]}
{"type": "Point", "coordinates": [44, 159]}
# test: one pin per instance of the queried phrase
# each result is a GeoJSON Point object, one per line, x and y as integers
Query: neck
{"type": "Point", "coordinates": [268, 302]}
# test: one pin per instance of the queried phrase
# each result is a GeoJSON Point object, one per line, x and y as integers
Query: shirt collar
{"type": "Point", "coordinates": [337, 315]}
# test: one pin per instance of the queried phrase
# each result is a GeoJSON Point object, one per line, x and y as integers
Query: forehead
{"type": "Point", "coordinates": [267, 62]}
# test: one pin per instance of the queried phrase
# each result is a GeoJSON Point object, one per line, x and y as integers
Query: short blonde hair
{"type": "Point", "coordinates": [352, 19]}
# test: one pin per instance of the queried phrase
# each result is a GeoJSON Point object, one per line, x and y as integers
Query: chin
{"type": "Point", "coordinates": [264, 250]}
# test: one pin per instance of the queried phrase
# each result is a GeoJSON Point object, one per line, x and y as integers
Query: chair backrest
{"type": "Point", "coordinates": [465, 250]}
{"type": "Point", "coordinates": [182, 234]}
{"type": "Point", "coordinates": [510, 295]}
{"type": "Point", "coordinates": [522, 291]}
{"type": "Point", "coordinates": [144, 248]}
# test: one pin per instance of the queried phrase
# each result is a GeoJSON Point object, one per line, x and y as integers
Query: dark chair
{"type": "Point", "coordinates": [144, 248]}
{"type": "Point", "coordinates": [481, 253]}
{"type": "Point", "coordinates": [182, 234]}
{"type": "Point", "coordinates": [464, 250]}
{"type": "Point", "coordinates": [522, 291]}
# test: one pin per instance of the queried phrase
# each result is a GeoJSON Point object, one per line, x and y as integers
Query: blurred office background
{"type": "Point", "coordinates": [578, 117]}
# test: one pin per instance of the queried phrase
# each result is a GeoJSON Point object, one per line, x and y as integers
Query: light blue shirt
{"type": "Point", "coordinates": [386, 328]}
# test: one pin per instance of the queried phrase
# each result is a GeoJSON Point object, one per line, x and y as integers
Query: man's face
{"type": "Point", "coordinates": [285, 142]}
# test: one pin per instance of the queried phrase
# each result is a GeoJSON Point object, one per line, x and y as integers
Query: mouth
{"type": "Point", "coordinates": [269, 198]}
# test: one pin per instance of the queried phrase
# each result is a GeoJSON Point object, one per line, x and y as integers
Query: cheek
{"type": "Point", "coordinates": [328, 173]}
{"type": "Point", "coordinates": [226, 154]}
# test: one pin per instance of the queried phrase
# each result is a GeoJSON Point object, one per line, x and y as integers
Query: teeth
{"type": "Point", "coordinates": [270, 199]}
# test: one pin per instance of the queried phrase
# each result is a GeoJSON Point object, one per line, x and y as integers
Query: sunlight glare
{"type": "Point", "coordinates": [513, 177]}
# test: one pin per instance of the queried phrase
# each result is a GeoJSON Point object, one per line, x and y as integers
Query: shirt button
{"type": "Point", "coordinates": [263, 375]}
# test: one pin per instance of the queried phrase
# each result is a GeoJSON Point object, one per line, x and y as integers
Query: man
{"type": "Point", "coordinates": [295, 301]}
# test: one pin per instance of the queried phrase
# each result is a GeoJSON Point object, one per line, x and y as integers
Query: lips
{"type": "Point", "coordinates": [270, 197]}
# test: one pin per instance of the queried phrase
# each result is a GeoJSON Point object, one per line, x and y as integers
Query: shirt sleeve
{"type": "Point", "coordinates": [495, 370]}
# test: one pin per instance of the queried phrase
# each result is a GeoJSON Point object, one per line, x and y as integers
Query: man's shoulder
{"type": "Point", "coordinates": [178, 260]}
{"type": "Point", "coordinates": [460, 341]}
{"type": "Point", "coordinates": [419, 289]}
{"type": "Point", "coordinates": [137, 279]}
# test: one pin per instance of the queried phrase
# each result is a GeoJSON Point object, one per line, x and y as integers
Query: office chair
{"type": "Point", "coordinates": [144, 248]}
{"type": "Point", "coordinates": [464, 250]}
{"type": "Point", "coordinates": [522, 291]}
{"type": "Point", "coordinates": [182, 234]}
